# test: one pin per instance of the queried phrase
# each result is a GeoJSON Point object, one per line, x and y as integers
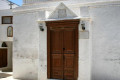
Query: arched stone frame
{"type": "Point", "coordinates": [10, 31]}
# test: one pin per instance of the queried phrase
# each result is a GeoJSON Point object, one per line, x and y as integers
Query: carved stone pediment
{"type": "Point", "coordinates": [62, 11]}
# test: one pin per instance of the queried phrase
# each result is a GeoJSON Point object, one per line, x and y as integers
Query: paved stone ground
{"type": "Point", "coordinates": [6, 76]}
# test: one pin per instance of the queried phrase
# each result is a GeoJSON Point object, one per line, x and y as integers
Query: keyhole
{"type": "Point", "coordinates": [63, 48]}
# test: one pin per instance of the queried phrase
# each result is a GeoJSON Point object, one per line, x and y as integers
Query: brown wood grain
{"type": "Point", "coordinates": [62, 49]}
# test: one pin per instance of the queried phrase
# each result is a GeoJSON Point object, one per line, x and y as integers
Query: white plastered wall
{"type": "Point", "coordinates": [43, 53]}
{"type": "Point", "coordinates": [85, 53]}
{"type": "Point", "coordinates": [26, 45]}
{"type": "Point", "coordinates": [105, 42]}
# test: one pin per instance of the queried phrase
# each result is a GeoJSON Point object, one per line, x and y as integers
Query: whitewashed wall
{"type": "Point", "coordinates": [42, 72]}
{"type": "Point", "coordinates": [26, 45]}
{"type": "Point", "coordinates": [105, 42]}
{"type": "Point", "coordinates": [85, 53]}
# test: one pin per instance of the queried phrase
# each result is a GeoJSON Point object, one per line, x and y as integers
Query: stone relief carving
{"type": "Point", "coordinates": [62, 11]}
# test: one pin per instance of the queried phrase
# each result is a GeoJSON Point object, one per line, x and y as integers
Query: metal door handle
{"type": "Point", "coordinates": [63, 49]}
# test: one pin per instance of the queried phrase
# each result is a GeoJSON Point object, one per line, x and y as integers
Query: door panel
{"type": "Point", "coordinates": [69, 41]}
{"type": "Point", "coordinates": [68, 66]}
{"type": "Point", "coordinates": [57, 66]}
{"type": "Point", "coordinates": [56, 54]}
{"type": "Point", "coordinates": [3, 58]}
{"type": "Point", "coordinates": [69, 45]}
{"type": "Point", "coordinates": [56, 40]}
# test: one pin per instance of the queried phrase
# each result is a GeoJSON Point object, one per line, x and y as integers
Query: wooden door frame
{"type": "Point", "coordinates": [73, 22]}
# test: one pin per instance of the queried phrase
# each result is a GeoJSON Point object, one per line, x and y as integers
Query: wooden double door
{"type": "Point", "coordinates": [63, 51]}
